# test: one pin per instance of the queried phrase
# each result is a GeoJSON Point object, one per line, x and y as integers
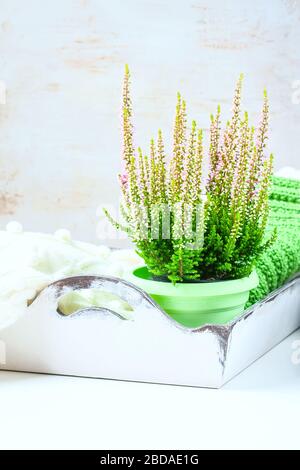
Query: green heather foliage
{"type": "Point", "coordinates": [216, 229]}
{"type": "Point", "coordinates": [282, 260]}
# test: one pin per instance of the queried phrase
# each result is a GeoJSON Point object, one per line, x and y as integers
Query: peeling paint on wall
{"type": "Point", "coordinates": [53, 87]}
{"type": "Point", "coordinates": [93, 65]}
{"type": "Point", "coordinates": [62, 64]}
{"type": "Point", "coordinates": [9, 203]}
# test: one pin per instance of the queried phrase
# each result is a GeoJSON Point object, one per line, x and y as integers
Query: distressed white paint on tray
{"type": "Point", "coordinates": [62, 63]}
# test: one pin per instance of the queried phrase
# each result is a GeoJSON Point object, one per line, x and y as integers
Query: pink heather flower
{"type": "Point", "coordinates": [124, 179]}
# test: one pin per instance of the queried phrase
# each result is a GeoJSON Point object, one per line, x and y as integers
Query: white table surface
{"type": "Point", "coordinates": [260, 408]}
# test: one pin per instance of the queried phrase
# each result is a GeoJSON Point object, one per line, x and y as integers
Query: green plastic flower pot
{"type": "Point", "coordinates": [196, 304]}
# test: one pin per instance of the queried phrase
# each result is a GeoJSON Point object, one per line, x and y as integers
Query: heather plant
{"type": "Point", "coordinates": [186, 229]}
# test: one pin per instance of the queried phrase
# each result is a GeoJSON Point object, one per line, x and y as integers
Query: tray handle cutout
{"type": "Point", "coordinates": [93, 298]}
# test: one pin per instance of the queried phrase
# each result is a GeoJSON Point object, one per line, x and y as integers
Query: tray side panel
{"type": "Point", "coordinates": [264, 326]}
{"type": "Point", "coordinates": [149, 348]}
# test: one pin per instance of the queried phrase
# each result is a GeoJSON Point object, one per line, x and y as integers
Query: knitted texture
{"type": "Point", "coordinates": [282, 260]}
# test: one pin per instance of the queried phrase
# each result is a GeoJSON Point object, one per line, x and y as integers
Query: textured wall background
{"type": "Point", "coordinates": [62, 65]}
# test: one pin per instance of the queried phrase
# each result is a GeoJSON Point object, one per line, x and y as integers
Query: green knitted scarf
{"type": "Point", "coordinates": [282, 260]}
